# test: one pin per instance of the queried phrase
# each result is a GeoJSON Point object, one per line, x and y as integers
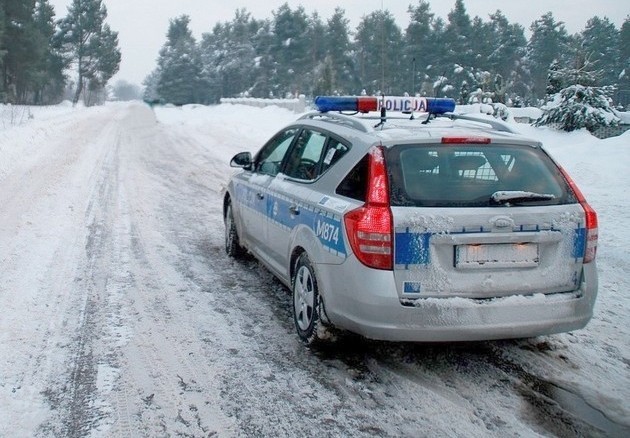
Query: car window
{"type": "Point", "coordinates": [269, 158]}
{"type": "Point", "coordinates": [335, 149]}
{"type": "Point", "coordinates": [303, 159]}
{"type": "Point", "coordinates": [468, 175]}
{"type": "Point", "coordinates": [354, 185]}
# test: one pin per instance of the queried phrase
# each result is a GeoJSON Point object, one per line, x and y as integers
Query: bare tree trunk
{"type": "Point", "coordinates": [77, 94]}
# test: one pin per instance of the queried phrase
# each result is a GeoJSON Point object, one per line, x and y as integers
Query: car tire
{"type": "Point", "coordinates": [233, 246]}
{"type": "Point", "coordinates": [307, 305]}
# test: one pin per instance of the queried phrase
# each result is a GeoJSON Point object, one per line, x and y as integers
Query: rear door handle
{"type": "Point", "coordinates": [294, 210]}
{"type": "Point", "coordinates": [260, 196]}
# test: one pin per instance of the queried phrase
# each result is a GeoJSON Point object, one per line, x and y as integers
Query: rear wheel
{"type": "Point", "coordinates": [233, 246]}
{"type": "Point", "coordinates": [307, 304]}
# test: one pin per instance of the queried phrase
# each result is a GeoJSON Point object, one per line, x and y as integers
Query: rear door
{"type": "Point", "coordinates": [482, 221]}
{"type": "Point", "coordinates": [295, 195]}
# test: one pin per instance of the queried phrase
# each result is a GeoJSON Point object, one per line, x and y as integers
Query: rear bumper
{"type": "Point", "coordinates": [376, 311]}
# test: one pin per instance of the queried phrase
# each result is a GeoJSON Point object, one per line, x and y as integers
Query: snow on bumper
{"type": "Point", "coordinates": [378, 313]}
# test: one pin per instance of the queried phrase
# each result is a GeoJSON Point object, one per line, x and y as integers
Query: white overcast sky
{"type": "Point", "coordinates": [142, 24]}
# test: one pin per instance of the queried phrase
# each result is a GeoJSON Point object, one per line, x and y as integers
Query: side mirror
{"type": "Point", "coordinates": [242, 159]}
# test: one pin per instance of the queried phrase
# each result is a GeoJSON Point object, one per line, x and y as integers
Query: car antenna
{"type": "Point", "coordinates": [383, 112]}
{"type": "Point", "coordinates": [413, 82]}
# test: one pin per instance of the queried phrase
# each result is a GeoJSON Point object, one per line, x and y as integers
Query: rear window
{"type": "Point", "coordinates": [473, 176]}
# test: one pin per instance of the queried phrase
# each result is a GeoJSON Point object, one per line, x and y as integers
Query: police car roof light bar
{"type": "Point", "coordinates": [405, 104]}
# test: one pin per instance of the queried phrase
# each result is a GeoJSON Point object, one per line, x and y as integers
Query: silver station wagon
{"type": "Point", "coordinates": [415, 227]}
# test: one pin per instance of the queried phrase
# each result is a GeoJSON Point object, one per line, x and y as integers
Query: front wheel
{"type": "Point", "coordinates": [307, 304]}
{"type": "Point", "coordinates": [233, 246]}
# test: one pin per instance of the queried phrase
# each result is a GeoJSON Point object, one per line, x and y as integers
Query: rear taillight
{"type": "Point", "coordinates": [590, 249]}
{"type": "Point", "coordinates": [369, 228]}
{"type": "Point", "coordinates": [591, 233]}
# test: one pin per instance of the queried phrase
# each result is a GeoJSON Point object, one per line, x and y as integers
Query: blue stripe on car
{"type": "Point", "coordinates": [325, 225]}
{"type": "Point", "coordinates": [579, 243]}
{"type": "Point", "coordinates": [411, 248]}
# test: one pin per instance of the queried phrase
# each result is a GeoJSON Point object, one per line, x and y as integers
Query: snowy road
{"type": "Point", "coordinates": [120, 314]}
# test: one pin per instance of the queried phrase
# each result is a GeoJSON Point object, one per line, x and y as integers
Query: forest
{"type": "Point", "coordinates": [461, 57]}
{"type": "Point", "coordinates": [292, 52]}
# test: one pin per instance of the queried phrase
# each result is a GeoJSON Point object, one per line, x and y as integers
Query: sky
{"type": "Point", "coordinates": [142, 24]}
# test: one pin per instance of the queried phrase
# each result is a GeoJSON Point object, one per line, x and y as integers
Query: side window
{"type": "Point", "coordinates": [270, 157]}
{"type": "Point", "coordinates": [334, 151]}
{"type": "Point", "coordinates": [354, 185]}
{"type": "Point", "coordinates": [303, 160]}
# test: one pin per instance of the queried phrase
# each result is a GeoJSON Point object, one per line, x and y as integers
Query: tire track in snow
{"type": "Point", "coordinates": [44, 213]}
{"type": "Point", "coordinates": [170, 389]}
{"type": "Point", "coordinates": [78, 407]}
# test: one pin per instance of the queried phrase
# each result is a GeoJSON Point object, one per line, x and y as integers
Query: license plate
{"type": "Point", "coordinates": [498, 255]}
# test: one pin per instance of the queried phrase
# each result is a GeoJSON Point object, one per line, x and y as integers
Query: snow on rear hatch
{"type": "Point", "coordinates": [482, 220]}
{"type": "Point", "coordinates": [477, 253]}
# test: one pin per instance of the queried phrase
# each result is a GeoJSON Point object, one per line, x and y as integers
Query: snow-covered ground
{"type": "Point", "coordinates": [120, 315]}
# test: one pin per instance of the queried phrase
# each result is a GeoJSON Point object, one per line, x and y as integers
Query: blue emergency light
{"type": "Point", "coordinates": [405, 104]}
{"type": "Point", "coordinates": [362, 104]}
{"type": "Point", "coordinates": [439, 105]}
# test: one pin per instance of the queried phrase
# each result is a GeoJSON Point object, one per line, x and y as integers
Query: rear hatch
{"type": "Point", "coordinates": [482, 221]}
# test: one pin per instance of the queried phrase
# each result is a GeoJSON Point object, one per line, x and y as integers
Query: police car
{"type": "Point", "coordinates": [396, 219]}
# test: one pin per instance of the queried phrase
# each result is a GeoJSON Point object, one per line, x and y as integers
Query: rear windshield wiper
{"type": "Point", "coordinates": [507, 197]}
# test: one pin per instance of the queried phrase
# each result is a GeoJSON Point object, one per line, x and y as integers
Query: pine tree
{"type": "Point", "coordinates": [343, 72]}
{"type": "Point", "coordinates": [228, 55]}
{"type": "Point", "coordinates": [107, 62]}
{"type": "Point", "coordinates": [459, 36]}
{"type": "Point", "coordinates": [549, 42]}
{"type": "Point", "coordinates": [578, 106]}
{"type": "Point", "coordinates": [3, 51]}
{"type": "Point", "coordinates": [437, 64]}
{"type": "Point", "coordinates": [624, 45]}
{"type": "Point", "coordinates": [379, 46]}
{"type": "Point", "coordinates": [483, 44]}
{"type": "Point", "coordinates": [316, 50]}
{"type": "Point", "coordinates": [508, 49]}
{"type": "Point", "coordinates": [599, 43]}
{"type": "Point", "coordinates": [554, 79]}
{"type": "Point", "coordinates": [423, 50]}
{"type": "Point", "coordinates": [213, 52]}
{"type": "Point", "coordinates": [40, 78]}
{"type": "Point", "coordinates": [624, 60]}
{"type": "Point", "coordinates": [180, 66]}
{"type": "Point", "coordinates": [150, 94]}
{"type": "Point", "coordinates": [325, 79]}
{"type": "Point", "coordinates": [290, 50]}
{"type": "Point", "coordinates": [19, 50]}
{"type": "Point", "coordinates": [263, 85]}
{"type": "Point", "coordinates": [457, 44]}
{"type": "Point", "coordinates": [31, 68]}
{"type": "Point", "coordinates": [90, 43]}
